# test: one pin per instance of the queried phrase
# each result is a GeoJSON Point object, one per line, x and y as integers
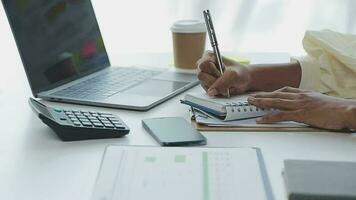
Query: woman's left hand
{"type": "Point", "coordinates": [307, 107]}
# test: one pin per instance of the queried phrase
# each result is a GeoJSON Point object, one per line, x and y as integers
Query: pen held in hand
{"type": "Point", "coordinates": [214, 43]}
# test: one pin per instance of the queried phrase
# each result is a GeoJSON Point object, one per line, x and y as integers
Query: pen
{"type": "Point", "coordinates": [214, 43]}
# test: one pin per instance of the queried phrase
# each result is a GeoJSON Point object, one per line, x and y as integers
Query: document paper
{"type": "Point", "coordinates": [181, 173]}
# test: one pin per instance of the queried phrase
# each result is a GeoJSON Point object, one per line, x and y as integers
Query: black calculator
{"type": "Point", "coordinates": [73, 125]}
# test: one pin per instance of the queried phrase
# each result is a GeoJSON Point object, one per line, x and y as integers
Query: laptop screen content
{"type": "Point", "coordinates": [58, 40]}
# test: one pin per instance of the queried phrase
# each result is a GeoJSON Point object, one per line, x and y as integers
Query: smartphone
{"type": "Point", "coordinates": [173, 131]}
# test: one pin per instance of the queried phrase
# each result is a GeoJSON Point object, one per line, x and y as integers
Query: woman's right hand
{"type": "Point", "coordinates": [236, 77]}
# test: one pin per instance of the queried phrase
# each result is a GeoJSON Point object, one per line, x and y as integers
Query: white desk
{"type": "Point", "coordinates": [35, 164]}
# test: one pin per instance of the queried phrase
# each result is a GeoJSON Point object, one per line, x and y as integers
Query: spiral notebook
{"type": "Point", "coordinates": [226, 109]}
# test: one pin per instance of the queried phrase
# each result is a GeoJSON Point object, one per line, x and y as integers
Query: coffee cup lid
{"type": "Point", "coordinates": [188, 26]}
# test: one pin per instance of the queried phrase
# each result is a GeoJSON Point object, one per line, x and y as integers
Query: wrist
{"type": "Point", "coordinates": [253, 83]}
{"type": "Point", "coordinates": [351, 116]}
{"type": "Point", "coordinates": [270, 77]}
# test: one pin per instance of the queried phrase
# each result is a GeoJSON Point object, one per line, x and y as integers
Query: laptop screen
{"type": "Point", "coordinates": [58, 40]}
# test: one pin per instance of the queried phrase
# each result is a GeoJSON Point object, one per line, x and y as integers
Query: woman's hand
{"type": "Point", "coordinates": [236, 78]}
{"type": "Point", "coordinates": [307, 107]}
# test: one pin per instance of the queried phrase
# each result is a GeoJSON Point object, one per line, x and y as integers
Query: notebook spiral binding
{"type": "Point", "coordinates": [245, 107]}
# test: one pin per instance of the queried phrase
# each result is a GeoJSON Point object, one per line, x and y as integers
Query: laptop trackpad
{"type": "Point", "coordinates": [156, 88]}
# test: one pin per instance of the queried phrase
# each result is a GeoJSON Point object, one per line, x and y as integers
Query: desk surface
{"type": "Point", "coordinates": [36, 165]}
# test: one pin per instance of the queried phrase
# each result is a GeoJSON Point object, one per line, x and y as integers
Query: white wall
{"type": "Point", "coordinates": [242, 25]}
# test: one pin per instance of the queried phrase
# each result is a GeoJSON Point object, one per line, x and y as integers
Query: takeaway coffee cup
{"type": "Point", "coordinates": [188, 42]}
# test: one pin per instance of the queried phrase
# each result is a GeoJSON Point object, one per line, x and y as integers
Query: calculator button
{"type": "Point", "coordinates": [117, 124]}
{"type": "Point", "coordinates": [98, 124]}
{"type": "Point", "coordinates": [92, 118]}
{"type": "Point", "coordinates": [120, 127]}
{"type": "Point", "coordinates": [106, 121]}
{"type": "Point", "coordinates": [77, 123]}
{"type": "Point", "coordinates": [108, 125]}
{"type": "Point", "coordinates": [95, 115]}
{"type": "Point", "coordinates": [84, 120]}
{"type": "Point", "coordinates": [58, 110]}
{"type": "Point", "coordinates": [106, 115]}
{"type": "Point", "coordinates": [103, 118]}
{"type": "Point", "coordinates": [101, 113]}
{"type": "Point", "coordinates": [88, 124]}
{"type": "Point", "coordinates": [71, 116]}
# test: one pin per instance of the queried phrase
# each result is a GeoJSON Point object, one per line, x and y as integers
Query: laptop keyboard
{"type": "Point", "coordinates": [107, 83]}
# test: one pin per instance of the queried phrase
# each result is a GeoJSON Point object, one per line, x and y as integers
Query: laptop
{"type": "Point", "coordinates": [65, 59]}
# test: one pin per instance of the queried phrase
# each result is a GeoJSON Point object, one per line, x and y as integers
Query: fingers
{"type": "Point", "coordinates": [276, 103]}
{"type": "Point", "coordinates": [291, 90]}
{"type": "Point", "coordinates": [276, 94]}
{"type": "Point", "coordinates": [222, 84]}
{"type": "Point", "coordinates": [209, 68]}
{"type": "Point", "coordinates": [208, 57]}
{"type": "Point", "coordinates": [207, 64]}
{"type": "Point", "coordinates": [279, 117]}
{"type": "Point", "coordinates": [286, 98]}
{"type": "Point", "coordinates": [206, 80]}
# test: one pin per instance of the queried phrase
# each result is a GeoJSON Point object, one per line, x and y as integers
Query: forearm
{"type": "Point", "coordinates": [270, 77]}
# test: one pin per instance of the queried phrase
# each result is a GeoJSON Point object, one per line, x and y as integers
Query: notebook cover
{"type": "Point", "coordinates": [201, 127]}
{"type": "Point", "coordinates": [320, 180]}
{"type": "Point", "coordinates": [205, 109]}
